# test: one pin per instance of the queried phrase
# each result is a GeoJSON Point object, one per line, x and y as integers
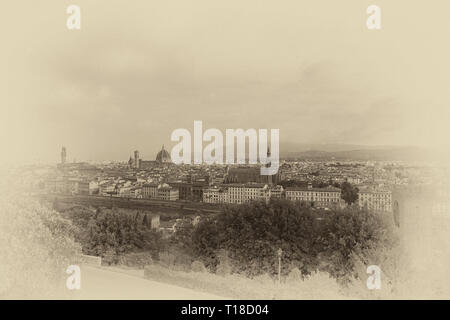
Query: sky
{"type": "Point", "coordinates": [137, 70]}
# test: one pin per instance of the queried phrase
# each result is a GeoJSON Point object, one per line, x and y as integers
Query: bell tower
{"type": "Point", "coordinates": [267, 165]}
{"type": "Point", "coordinates": [63, 155]}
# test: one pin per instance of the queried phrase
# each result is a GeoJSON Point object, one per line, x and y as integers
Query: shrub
{"type": "Point", "coordinates": [182, 261]}
{"type": "Point", "coordinates": [109, 258]}
{"type": "Point", "coordinates": [167, 259]}
{"type": "Point", "coordinates": [36, 248]}
{"type": "Point", "coordinates": [121, 231]}
{"type": "Point", "coordinates": [136, 259]}
{"type": "Point", "coordinates": [264, 278]}
{"type": "Point", "coordinates": [295, 275]}
{"type": "Point", "coordinates": [224, 267]}
{"type": "Point", "coordinates": [198, 266]}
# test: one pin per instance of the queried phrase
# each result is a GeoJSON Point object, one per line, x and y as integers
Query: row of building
{"type": "Point", "coordinates": [235, 193]}
{"type": "Point", "coordinates": [241, 193]}
{"type": "Point", "coordinates": [68, 185]}
{"type": "Point", "coordinates": [329, 197]}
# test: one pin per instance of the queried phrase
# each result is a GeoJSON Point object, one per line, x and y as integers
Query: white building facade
{"type": "Point", "coordinates": [320, 197]}
{"type": "Point", "coordinates": [375, 199]}
{"type": "Point", "coordinates": [241, 193]}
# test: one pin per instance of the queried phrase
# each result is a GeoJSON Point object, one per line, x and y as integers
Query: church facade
{"type": "Point", "coordinates": [163, 157]}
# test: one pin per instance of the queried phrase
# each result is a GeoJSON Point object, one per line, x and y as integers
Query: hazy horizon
{"type": "Point", "coordinates": [287, 151]}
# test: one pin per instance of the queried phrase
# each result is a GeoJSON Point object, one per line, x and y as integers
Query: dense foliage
{"type": "Point", "coordinates": [37, 247]}
{"type": "Point", "coordinates": [349, 193]}
{"type": "Point", "coordinates": [243, 239]}
{"type": "Point", "coordinates": [116, 235]}
{"type": "Point", "coordinates": [311, 240]}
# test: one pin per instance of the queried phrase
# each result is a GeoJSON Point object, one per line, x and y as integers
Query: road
{"type": "Point", "coordinates": [100, 283]}
{"type": "Point", "coordinates": [186, 207]}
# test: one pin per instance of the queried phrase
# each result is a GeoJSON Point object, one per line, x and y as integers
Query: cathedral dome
{"type": "Point", "coordinates": [163, 156]}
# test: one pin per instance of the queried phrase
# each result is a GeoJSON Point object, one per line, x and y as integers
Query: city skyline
{"type": "Point", "coordinates": [299, 151]}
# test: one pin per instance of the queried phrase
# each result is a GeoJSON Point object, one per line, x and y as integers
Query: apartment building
{"type": "Point", "coordinates": [168, 193]}
{"type": "Point", "coordinates": [319, 197]}
{"type": "Point", "coordinates": [241, 193]}
{"type": "Point", "coordinates": [375, 199]}
{"type": "Point", "coordinates": [160, 192]}
{"type": "Point", "coordinates": [215, 195]}
{"type": "Point", "coordinates": [150, 190]}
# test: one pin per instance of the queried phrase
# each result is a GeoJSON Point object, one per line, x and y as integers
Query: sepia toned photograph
{"type": "Point", "coordinates": [213, 150]}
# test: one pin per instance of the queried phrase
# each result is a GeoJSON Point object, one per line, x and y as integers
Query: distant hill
{"type": "Point", "coordinates": [328, 147]}
{"type": "Point", "coordinates": [353, 152]}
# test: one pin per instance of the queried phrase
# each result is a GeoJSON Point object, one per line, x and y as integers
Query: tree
{"type": "Point", "coordinates": [37, 247]}
{"type": "Point", "coordinates": [182, 239]}
{"type": "Point", "coordinates": [349, 193]}
{"type": "Point", "coordinates": [252, 233]}
{"type": "Point", "coordinates": [145, 221]}
{"type": "Point", "coordinates": [113, 233]}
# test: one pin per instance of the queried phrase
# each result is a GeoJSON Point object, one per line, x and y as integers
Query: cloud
{"type": "Point", "coordinates": [135, 72]}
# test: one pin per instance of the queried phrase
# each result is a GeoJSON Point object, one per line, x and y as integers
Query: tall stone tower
{"type": "Point", "coordinates": [267, 165]}
{"type": "Point", "coordinates": [136, 159]}
{"type": "Point", "coordinates": [63, 155]}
